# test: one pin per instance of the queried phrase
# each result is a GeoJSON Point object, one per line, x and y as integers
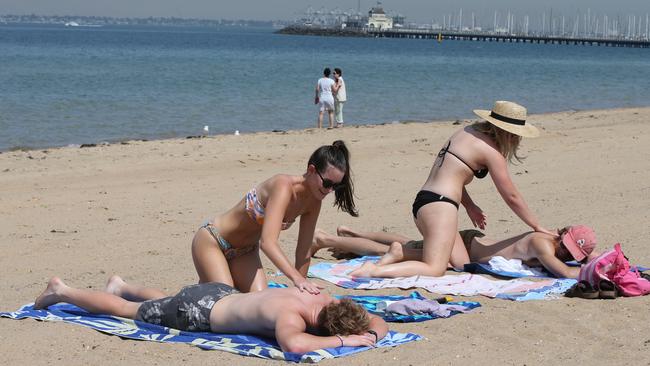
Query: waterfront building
{"type": "Point", "coordinates": [378, 20]}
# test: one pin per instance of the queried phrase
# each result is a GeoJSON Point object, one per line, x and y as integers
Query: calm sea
{"type": "Point", "coordinates": [73, 85]}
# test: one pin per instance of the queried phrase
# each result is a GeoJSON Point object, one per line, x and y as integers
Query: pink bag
{"type": "Point", "coordinates": [614, 267]}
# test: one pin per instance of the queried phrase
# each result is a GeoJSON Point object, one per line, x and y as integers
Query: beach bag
{"type": "Point", "coordinates": [613, 266]}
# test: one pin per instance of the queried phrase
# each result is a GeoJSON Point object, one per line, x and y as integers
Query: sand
{"type": "Point", "coordinates": [132, 209]}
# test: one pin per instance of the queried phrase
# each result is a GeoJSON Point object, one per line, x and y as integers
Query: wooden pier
{"type": "Point", "coordinates": [462, 36]}
{"type": "Point", "coordinates": [485, 37]}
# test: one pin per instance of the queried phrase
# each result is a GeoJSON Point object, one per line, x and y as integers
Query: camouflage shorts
{"type": "Point", "coordinates": [188, 310]}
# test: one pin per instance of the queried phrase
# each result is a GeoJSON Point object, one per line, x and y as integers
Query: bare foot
{"type": "Point", "coordinates": [114, 285]}
{"type": "Point", "coordinates": [345, 231]}
{"type": "Point", "coordinates": [50, 295]}
{"type": "Point", "coordinates": [318, 243]}
{"type": "Point", "coordinates": [366, 270]}
{"type": "Point", "coordinates": [395, 254]}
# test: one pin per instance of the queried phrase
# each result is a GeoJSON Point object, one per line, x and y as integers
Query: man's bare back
{"type": "Point", "coordinates": [258, 312]}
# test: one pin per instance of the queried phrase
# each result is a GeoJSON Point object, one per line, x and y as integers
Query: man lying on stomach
{"type": "Point", "coordinates": [300, 322]}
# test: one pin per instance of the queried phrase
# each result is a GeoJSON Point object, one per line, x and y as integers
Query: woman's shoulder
{"type": "Point", "coordinates": [479, 137]}
{"type": "Point", "coordinates": [279, 182]}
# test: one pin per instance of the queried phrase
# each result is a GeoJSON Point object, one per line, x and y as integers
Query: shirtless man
{"type": "Point", "coordinates": [299, 321]}
{"type": "Point", "coordinates": [535, 249]}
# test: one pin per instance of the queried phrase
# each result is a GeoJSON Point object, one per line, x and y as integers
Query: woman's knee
{"type": "Point", "coordinates": [436, 266]}
{"type": "Point", "coordinates": [436, 271]}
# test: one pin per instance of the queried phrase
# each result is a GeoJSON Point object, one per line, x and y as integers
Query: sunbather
{"type": "Point", "coordinates": [299, 321]}
{"type": "Point", "coordinates": [533, 248]}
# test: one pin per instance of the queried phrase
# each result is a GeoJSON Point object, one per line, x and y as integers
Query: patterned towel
{"type": "Point", "coordinates": [371, 302]}
{"type": "Point", "coordinates": [240, 344]}
{"type": "Point", "coordinates": [464, 284]}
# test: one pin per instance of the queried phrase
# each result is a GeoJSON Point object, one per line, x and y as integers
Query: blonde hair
{"type": "Point", "coordinates": [507, 143]}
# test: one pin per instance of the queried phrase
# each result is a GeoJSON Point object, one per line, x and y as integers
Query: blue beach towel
{"type": "Point", "coordinates": [245, 345]}
{"type": "Point", "coordinates": [370, 304]}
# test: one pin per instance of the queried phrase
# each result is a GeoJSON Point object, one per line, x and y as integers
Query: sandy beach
{"type": "Point", "coordinates": [132, 209]}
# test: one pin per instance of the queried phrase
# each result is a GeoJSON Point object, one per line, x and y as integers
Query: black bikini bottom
{"type": "Point", "coordinates": [425, 197]}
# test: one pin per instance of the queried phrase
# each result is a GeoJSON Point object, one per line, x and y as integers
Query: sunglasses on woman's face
{"type": "Point", "coordinates": [327, 183]}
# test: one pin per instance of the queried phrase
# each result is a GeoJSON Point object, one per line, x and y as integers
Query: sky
{"type": "Point", "coordinates": [421, 11]}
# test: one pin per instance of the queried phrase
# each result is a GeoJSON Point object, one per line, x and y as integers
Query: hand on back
{"type": "Point", "coordinates": [305, 285]}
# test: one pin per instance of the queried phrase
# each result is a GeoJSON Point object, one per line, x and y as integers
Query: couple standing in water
{"type": "Point", "coordinates": [330, 97]}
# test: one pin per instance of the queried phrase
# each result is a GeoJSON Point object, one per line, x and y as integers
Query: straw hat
{"type": "Point", "coordinates": [509, 116]}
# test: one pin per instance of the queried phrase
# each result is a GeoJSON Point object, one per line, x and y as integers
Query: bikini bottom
{"type": "Point", "coordinates": [228, 250]}
{"type": "Point", "coordinates": [425, 197]}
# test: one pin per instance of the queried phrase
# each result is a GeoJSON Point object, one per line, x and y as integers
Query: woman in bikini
{"type": "Point", "coordinates": [470, 152]}
{"type": "Point", "coordinates": [226, 248]}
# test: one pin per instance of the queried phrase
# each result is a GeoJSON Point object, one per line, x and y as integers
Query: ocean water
{"type": "Point", "coordinates": [64, 85]}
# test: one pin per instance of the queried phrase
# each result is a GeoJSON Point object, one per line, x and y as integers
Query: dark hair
{"type": "Point", "coordinates": [338, 156]}
{"type": "Point", "coordinates": [343, 318]}
{"type": "Point", "coordinates": [327, 72]}
{"type": "Point", "coordinates": [338, 71]}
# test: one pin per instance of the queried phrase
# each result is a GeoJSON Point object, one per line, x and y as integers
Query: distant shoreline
{"type": "Point", "coordinates": [83, 20]}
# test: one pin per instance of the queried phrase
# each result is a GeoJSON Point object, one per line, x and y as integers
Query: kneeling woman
{"type": "Point", "coordinates": [474, 151]}
{"type": "Point", "coordinates": [226, 248]}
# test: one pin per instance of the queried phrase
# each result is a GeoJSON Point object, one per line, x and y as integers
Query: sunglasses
{"type": "Point", "coordinates": [327, 183]}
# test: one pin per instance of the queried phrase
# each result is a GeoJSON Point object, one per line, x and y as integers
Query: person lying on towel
{"type": "Point", "coordinates": [299, 321]}
{"type": "Point", "coordinates": [535, 249]}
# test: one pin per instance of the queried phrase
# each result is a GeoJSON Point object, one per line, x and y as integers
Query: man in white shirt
{"type": "Point", "coordinates": [325, 98]}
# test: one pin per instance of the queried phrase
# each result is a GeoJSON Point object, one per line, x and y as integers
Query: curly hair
{"type": "Point", "coordinates": [344, 318]}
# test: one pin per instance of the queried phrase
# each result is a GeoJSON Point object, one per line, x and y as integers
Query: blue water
{"type": "Point", "coordinates": [64, 86]}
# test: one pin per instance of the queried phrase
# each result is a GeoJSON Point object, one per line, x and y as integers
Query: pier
{"type": "Point", "coordinates": [510, 38]}
{"type": "Point", "coordinates": [463, 36]}
{"type": "Point", "coordinates": [587, 29]}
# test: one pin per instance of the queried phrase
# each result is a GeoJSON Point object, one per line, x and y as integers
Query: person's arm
{"type": "Point", "coordinates": [308, 222]}
{"type": "Point", "coordinates": [276, 206]}
{"type": "Point", "coordinates": [379, 326]}
{"type": "Point", "coordinates": [316, 96]}
{"type": "Point", "coordinates": [476, 215]}
{"type": "Point", "coordinates": [291, 336]}
{"type": "Point", "coordinates": [544, 251]}
{"type": "Point", "coordinates": [506, 188]}
{"type": "Point", "coordinates": [336, 86]}
{"type": "Point", "coordinates": [557, 267]}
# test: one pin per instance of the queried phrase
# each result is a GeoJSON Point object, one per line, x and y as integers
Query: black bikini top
{"type": "Point", "coordinates": [480, 174]}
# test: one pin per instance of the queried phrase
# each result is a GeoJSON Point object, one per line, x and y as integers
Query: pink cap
{"type": "Point", "coordinates": [580, 241]}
